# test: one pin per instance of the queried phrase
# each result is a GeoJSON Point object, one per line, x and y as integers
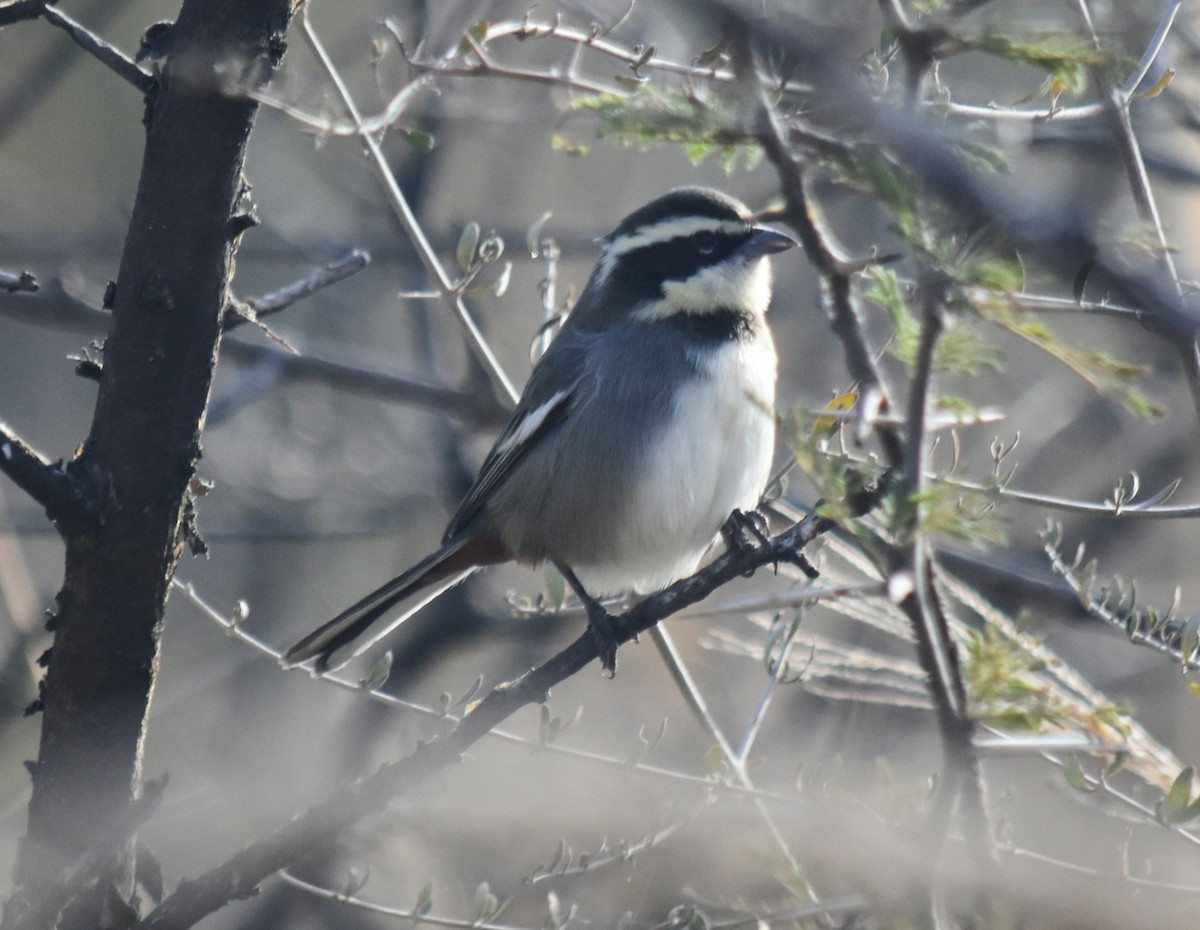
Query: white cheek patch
{"type": "Point", "coordinates": [530, 424]}
{"type": "Point", "coordinates": [732, 285]}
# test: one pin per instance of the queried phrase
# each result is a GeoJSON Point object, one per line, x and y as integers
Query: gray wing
{"type": "Point", "coordinates": [549, 397]}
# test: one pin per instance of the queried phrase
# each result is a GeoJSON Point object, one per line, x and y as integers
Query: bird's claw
{"type": "Point", "coordinates": [744, 531]}
{"type": "Point", "coordinates": [608, 631]}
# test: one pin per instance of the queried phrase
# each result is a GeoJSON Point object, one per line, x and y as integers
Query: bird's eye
{"type": "Point", "coordinates": [706, 241]}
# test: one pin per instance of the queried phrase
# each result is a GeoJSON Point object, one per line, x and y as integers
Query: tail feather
{"type": "Point", "coordinates": [448, 565]}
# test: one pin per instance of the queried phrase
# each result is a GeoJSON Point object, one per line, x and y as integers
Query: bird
{"type": "Point", "coordinates": [645, 431]}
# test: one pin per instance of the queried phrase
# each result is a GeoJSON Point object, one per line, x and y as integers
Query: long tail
{"type": "Point", "coordinates": [444, 568]}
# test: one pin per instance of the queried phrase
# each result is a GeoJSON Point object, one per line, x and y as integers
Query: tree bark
{"type": "Point", "coordinates": [141, 452]}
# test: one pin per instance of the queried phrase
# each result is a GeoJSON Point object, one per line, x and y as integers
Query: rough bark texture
{"type": "Point", "coordinates": [143, 446]}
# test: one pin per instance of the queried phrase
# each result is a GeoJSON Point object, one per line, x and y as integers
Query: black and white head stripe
{"type": "Point", "coordinates": [683, 202]}
{"type": "Point", "coordinates": [672, 239]}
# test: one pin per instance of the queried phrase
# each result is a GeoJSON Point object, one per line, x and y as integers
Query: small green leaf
{"type": "Point", "coordinates": [486, 903]}
{"type": "Point", "coordinates": [1189, 638]}
{"type": "Point", "coordinates": [1178, 798]}
{"type": "Point", "coordinates": [468, 241]}
{"type": "Point", "coordinates": [424, 900]}
{"type": "Point", "coordinates": [492, 280]}
{"type": "Point", "coordinates": [478, 32]}
{"type": "Point", "coordinates": [356, 880]}
{"type": "Point", "coordinates": [1119, 760]}
{"type": "Point", "coordinates": [643, 58]}
{"type": "Point", "coordinates": [1075, 776]}
{"type": "Point", "coordinates": [712, 56]}
{"type": "Point", "coordinates": [420, 140]}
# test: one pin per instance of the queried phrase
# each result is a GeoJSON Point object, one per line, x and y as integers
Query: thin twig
{"type": "Point", "coordinates": [109, 55]}
{"type": "Point", "coordinates": [234, 628]}
{"type": "Point", "coordinates": [482, 409]}
{"type": "Point", "coordinates": [913, 568]}
{"type": "Point", "coordinates": [330, 273]}
{"type": "Point", "coordinates": [1117, 100]}
{"type": "Point", "coordinates": [411, 226]}
{"type": "Point", "coordinates": [1100, 611]}
{"type": "Point", "coordinates": [372, 125]}
{"type": "Point", "coordinates": [694, 698]}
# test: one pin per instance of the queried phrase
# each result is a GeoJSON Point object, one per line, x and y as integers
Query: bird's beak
{"type": "Point", "coordinates": [764, 241]}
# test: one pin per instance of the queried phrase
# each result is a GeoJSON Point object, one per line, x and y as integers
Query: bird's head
{"type": "Point", "coordinates": [691, 251]}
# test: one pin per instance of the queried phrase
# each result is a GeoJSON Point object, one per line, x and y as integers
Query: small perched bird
{"type": "Point", "coordinates": [645, 427]}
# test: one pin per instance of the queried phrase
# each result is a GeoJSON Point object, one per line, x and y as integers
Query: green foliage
{"type": "Point", "coordinates": [961, 350]}
{"type": "Point", "coordinates": [1104, 372]}
{"type": "Point", "coordinates": [990, 159]}
{"type": "Point", "coordinates": [651, 116]}
{"type": "Point", "coordinates": [1003, 684]}
{"type": "Point", "coordinates": [871, 171]}
{"type": "Point", "coordinates": [969, 516]}
{"type": "Point", "coordinates": [1065, 58]}
{"type": "Point", "coordinates": [1178, 806]}
{"type": "Point", "coordinates": [1007, 691]}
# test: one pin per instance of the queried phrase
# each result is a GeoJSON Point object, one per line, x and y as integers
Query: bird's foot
{"type": "Point", "coordinates": [744, 531]}
{"type": "Point", "coordinates": [608, 631]}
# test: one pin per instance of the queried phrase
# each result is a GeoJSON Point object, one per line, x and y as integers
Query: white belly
{"type": "Point", "coordinates": [714, 457]}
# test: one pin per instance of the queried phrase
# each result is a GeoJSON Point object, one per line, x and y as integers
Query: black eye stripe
{"type": "Point", "coordinates": [642, 271]}
{"type": "Point", "coordinates": [680, 258]}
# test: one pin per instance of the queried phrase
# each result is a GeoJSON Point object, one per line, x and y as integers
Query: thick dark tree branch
{"type": "Point", "coordinates": [908, 566]}
{"type": "Point", "coordinates": [142, 449]}
{"type": "Point", "coordinates": [836, 268]}
{"type": "Point", "coordinates": [98, 860]}
{"type": "Point", "coordinates": [20, 9]}
{"type": "Point", "coordinates": [241, 875]}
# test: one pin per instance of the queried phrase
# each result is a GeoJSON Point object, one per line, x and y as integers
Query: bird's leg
{"type": "Point", "coordinates": [604, 627]}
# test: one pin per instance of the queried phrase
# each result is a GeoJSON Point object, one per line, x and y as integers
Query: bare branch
{"type": "Point", "coordinates": [328, 274]}
{"type": "Point", "coordinates": [48, 483]}
{"type": "Point", "coordinates": [108, 55]}
{"type": "Point", "coordinates": [694, 698]}
{"type": "Point", "coordinates": [416, 234]}
{"type": "Point", "coordinates": [477, 407]}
